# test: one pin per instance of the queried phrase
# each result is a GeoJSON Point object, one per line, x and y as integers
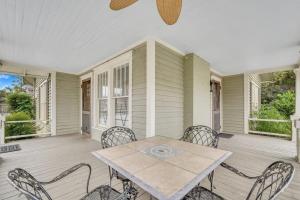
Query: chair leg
{"type": "Point", "coordinates": [211, 180]}
{"type": "Point", "coordinates": [110, 176]}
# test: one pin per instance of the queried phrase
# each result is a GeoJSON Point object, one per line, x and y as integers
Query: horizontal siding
{"type": "Point", "coordinates": [139, 91]}
{"type": "Point", "coordinates": [67, 104]}
{"type": "Point", "coordinates": [233, 104]}
{"type": "Point", "coordinates": [169, 93]}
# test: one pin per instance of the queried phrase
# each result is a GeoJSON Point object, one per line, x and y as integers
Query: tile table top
{"type": "Point", "coordinates": [166, 168]}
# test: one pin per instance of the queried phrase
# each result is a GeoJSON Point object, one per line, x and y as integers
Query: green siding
{"type": "Point", "coordinates": [169, 93]}
{"type": "Point", "coordinates": [67, 104]}
{"type": "Point", "coordinates": [139, 91]}
{"type": "Point", "coordinates": [233, 104]}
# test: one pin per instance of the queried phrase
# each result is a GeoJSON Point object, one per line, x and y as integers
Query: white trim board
{"type": "Point", "coordinates": [218, 79]}
{"type": "Point", "coordinates": [53, 104]}
{"type": "Point", "coordinates": [150, 82]}
{"type": "Point", "coordinates": [82, 78]}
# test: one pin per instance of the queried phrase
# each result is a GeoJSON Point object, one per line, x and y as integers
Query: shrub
{"type": "Point", "coordinates": [285, 103]}
{"type": "Point", "coordinates": [13, 129]}
{"type": "Point", "coordinates": [20, 102]}
{"type": "Point", "coordinates": [270, 112]}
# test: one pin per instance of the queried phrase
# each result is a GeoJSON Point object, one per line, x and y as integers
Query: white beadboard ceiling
{"type": "Point", "coordinates": [70, 35]}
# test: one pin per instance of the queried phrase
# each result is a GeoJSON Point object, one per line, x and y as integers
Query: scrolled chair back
{"type": "Point", "coordinates": [117, 135]}
{"type": "Point", "coordinates": [27, 185]}
{"type": "Point", "coordinates": [273, 181]}
{"type": "Point", "coordinates": [200, 134]}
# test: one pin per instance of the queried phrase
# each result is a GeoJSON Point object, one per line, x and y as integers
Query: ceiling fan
{"type": "Point", "coordinates": [169, 10]}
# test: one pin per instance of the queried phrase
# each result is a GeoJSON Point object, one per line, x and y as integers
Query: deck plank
{"type": "Point", "coordinates": [47, 157]}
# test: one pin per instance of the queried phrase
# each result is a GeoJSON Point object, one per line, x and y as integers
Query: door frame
{"type": "Point", "coordinates": [217, 79]}
{"type": "Point", "coordinates": [82, 79]}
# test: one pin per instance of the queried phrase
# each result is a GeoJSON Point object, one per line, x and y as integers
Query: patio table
{"type": "Point", "coordinates": [166, 168]}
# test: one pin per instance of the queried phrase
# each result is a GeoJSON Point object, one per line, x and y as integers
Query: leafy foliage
{"type": "Point", "coordinates": [270, 112]}
{"type": "Point", "coordinates": [13, 129]}
{"type": "Point", "coordinates": [278, 102]}
{"type": "Point", "coordinates": [280, 82]}
{"type": "Point", "coordinates": [20, 102]}
{"type": "Point", "coordinates": [285, 103]}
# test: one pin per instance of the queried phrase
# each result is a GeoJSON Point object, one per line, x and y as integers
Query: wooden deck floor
{"type": "Point", "coordinates": [46, 157]}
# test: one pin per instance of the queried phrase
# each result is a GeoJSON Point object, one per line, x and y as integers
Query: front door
{"type": "Point", "coordinates": [216, 100]}
{"type": "Point", "coordinates": [86, 106]}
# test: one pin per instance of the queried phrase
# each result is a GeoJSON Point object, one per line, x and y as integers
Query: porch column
{"type": "Point", "coordinates": [297, 126]}
{"type": "Point", "coordinates": [197, 105]}
{"type": "Point", "coordinates": [296, 116]}
{"type": "Point", "coordinates": [2, 130]}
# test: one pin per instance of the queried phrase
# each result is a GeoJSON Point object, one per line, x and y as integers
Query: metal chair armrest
{"type": "Point", "coordinates": [237, 172]}
{"type": "Point", "coordinates": [68, 172]}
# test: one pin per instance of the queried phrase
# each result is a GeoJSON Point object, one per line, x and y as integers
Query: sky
{"type": "Point", "coordinates": [7, 80]}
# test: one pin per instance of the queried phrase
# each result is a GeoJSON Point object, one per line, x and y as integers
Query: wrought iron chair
{"type": "Point", "coordinates": [205, 136]}
{"type": "Point", "coordinates": [115, 136]}
{"type": "Point", "coordinates": [266, 187]}
{"type": "Point", "coordinates": [33, 189]}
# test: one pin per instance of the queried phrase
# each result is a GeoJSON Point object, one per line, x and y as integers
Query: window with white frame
{"type": "Point", "coordinates": [120, 94]}
{"type": "Point", "coordinates": [254, 97]}
{"type": "Point", "coordinates": [113, 99]}
{"type": "Point", "coordinates": [103, 98]}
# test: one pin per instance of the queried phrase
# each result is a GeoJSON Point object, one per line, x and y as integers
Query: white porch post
{"type": "Point", "coordinates": [297, 73]}
{"type": "Point", "coordinates": [53, 103]}
{"type": "Point", "coordinates": [150, 122]}
{"type": "Point", "coordinates": [2, 131]}
{"type": "Point", "coordinates": [297, 126]}
{"type": "Point", "coordinates": [296, 116]}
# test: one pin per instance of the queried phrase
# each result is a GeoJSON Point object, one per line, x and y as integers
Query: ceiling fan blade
{"type": "Point", "coordinates": [169, 10]}
{"type": "Point", "coordinates": [120, 4]}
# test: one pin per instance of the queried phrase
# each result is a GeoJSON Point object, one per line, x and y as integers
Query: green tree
{"type": "Point", "coordinates": [21, 128]}
{"type": "Point", "coordinates": [285, 103]}
{"type": "Point", "coordinates": [270, 112]}
{"type": "Point", "coordinates": [280, 82]}
{"type": "Point", "coordinates": [20, 102]}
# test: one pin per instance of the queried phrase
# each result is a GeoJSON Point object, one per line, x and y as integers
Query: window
{"type": "Point", "coordinates": [121, 88]}
{"type": "Point", "coordinates": [113, 89]}
{"type": "Point", "coordinates": [254, 97]}
{"type": "Point", "coordinates": [103, 98]}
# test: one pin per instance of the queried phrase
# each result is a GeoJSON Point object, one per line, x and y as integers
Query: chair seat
{"type": "Point", "coordinates": [103, 192]}
{"type": "Point", "coordinates": [201, 193]}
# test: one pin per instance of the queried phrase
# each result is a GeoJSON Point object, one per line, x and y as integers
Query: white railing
{"type": "Point", "coordinates": [254, 126]}
{"type": "Point", "coordinates": [24, 129]}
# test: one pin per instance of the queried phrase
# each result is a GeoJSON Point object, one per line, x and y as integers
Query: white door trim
{"type": "Point", "coordinates": [218, 79]}
{"type": "Point", "coordinates": [82, 78]}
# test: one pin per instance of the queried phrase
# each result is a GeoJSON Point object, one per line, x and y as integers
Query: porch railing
{"type": "Point", "coordinates": [271, 127]}
{"type": "Point", "coordinates": [24, 129]}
